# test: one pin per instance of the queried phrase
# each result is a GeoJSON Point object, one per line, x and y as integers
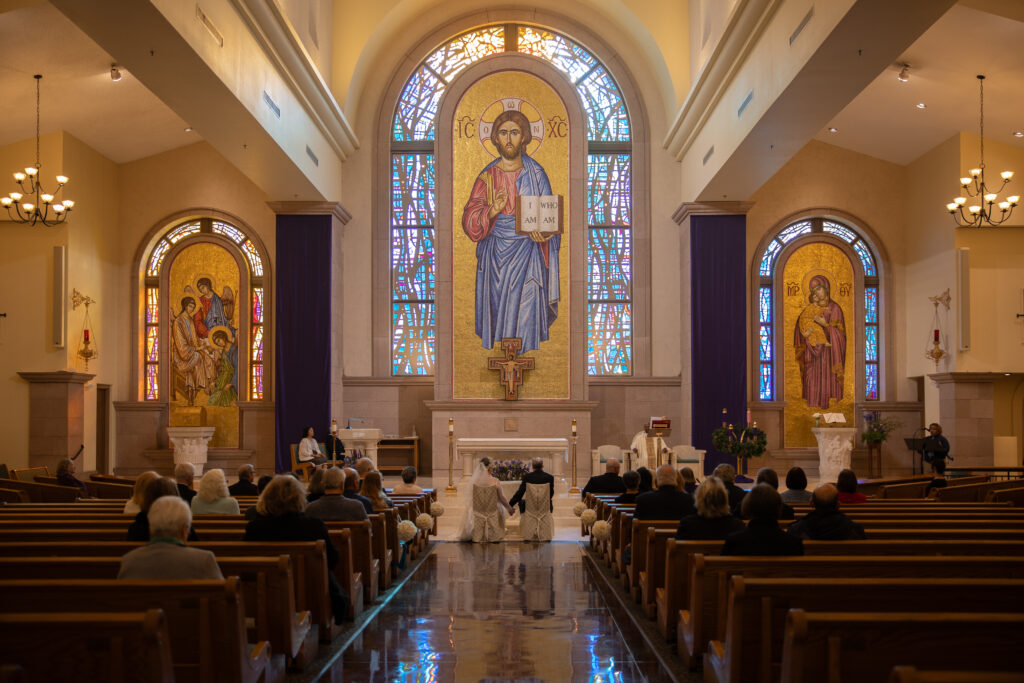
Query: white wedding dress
{"type": "Point", "coordinates": [484, 520]}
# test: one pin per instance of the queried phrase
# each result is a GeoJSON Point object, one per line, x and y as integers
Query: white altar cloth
{"type": "Point", "coordinates": [553, 451]}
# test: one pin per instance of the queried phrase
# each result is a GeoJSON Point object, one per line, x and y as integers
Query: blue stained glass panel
{"type": "Point", "coordinates": [412, 189]}
{"type": "Point", "coordinates": [871, 381]}
{"type": "Point", "coordinates": [765, 305]}
{"type": "Point", "coordinates": [865, 258]}
{"type": "Point", "coordinates": [609, 266]}
{"type": "Point", "coordinates": [563, 54]}
{"type": "Point", "coordinates": [417, 107]}
{"type": "Point", "coordinates": [765, 337]}
{"type": "Point", "coordinates": [462, 51]}
{"type": "Point", "coordinates": [412, 263]}
{"type": "Point", "coordinates": [793, 231]}
{"type": "Point", "coordinates": [609, 339]}
{"type": "Point", "coordinates": [605, 109]}
{"type": "Point", "coordinates": [609, 201]}
{"type": "Point", "coordinates": [871, 343]}
{"type": "Point", "coordinates": [840, 231]}
{"type": "Point", "coordinates": [768, 260]}
{"type": "Point", "coordinates": [412, 338]}
{"type": "Point", "coordinates": [765, 393]}
{"type": "Point", "coordinates": [871, 304]}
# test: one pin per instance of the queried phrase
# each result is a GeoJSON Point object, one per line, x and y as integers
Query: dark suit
{"type": "Point", "coordinates": [627, 498]}
{"type": "Point", "coordinates": [334, 449]}
{"type": "Point", "coordinates": [762, 537]}
{"type": "Point", "coordinates": [609, 482]}
{"type": "Point", "coordinates": [354, 495]}
{"type": "Point", "coordinates": [667, 502]}
{"type": "Point", "coordinates": [534, 477]}
{"type": "Point", "coordinates": [186, 493]}
{"type": "Point", "coordinates": [736, 496]}
{"type": "Point", "coordinates": [243, 488]}
{"type": "Point", "coordinates": [697, 528]}
{"type": "Point", "coordinates": [827, 525]}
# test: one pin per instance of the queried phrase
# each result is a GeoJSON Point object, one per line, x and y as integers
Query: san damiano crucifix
{"type": "Point", "coordinates": [510, 367]}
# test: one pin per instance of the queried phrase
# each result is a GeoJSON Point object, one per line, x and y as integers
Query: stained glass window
{"type": "Point", "coordinates": [151, 344]}
{"type": "Point", "coordinates": [869, 332]}
{"type": "Point", "coordinates": [413, 195]}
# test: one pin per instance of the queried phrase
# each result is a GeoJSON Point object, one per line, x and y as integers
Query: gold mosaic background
{"type": "Point", "coordinates": [193, 262]}
{"type": "Point", "coordinates": [470, 376]}
{"type": "Point", "coordinates": [813, 259]}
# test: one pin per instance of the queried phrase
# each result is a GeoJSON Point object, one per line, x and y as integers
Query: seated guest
{"type": "Point", "coordinates": [372, 489]}
{"type": "Point", "coordinates": [363, 467]}
{"type": "Point", "coordinates": [352, 489]}
{"type": "Point", "coordinates": [766, 475]}
{"type": "Point", "coordinates": [714, 520]}
{"type": "Point", "coordinates": [609, 482]}
{"type": "Point", "coordinates": [938, 477]}
{"type": "Point", "coordinates": [332, 505]}
{"type": "Point", "coordinates": [66, 476]}
{"type": "Point", "coordinates": [762, 535]}
{"type": "Point", "coordinates": [536, 475]}
{"type": "Point", "coordinates": [666, 501]}
{"type": "Point", "coordinates": [687, 480]}
{"type": "Point", "coordinates": [213, 498]}
{"type": "Point", "coordinates": [251, 512]}
{"type": "Point", "coordinates": [309, 449]}
{"type": "Point", "coordinates": [134, 504]}
{"type": "Point", "coordinates": [826, 522]}
{"type": "Point", "coordinates": [846, 482]}
{"type": "Point", "coordinates": [728, 476]}
{"type": "Point", "coordinates": [158, 488]}
{"type": "Point", "coordinates": [185, 475]}
{"type": "Point", "coordinates": [167, 557]}
{"type": "Point", "coordinates": [796, 487]}
{"type": "Point", "coordinates": [632, 481]}
{"type": "Point", "coordinates": [282, 518]}
{"type": "Point", "coordinates": [244, 485]}
{"type": "Point", "coordinates": [334, 449]}
{"type": "Point", "coordinates": [408, 486]}
{"type": "Point", "coordinates": [646, 479]}
{"type": "Point", "coordinates": [315, 489]}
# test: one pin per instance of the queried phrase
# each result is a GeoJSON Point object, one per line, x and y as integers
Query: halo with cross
{"type": "Point", "coordinates": [526, 108]}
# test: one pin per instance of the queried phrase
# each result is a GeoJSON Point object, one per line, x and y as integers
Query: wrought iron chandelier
{"type": "Point", "coordinates": [982, 213]}
{"type": "Point", "coordinates": [33, 204]}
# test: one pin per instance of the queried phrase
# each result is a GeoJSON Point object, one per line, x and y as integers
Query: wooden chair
{"type": "Point", "coordinates": [303, 469]}
{"type": "Point", "coordinates": [29, 473]}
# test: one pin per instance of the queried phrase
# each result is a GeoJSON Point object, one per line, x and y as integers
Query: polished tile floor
{"type": "Point", "coordinates": [497, 612]}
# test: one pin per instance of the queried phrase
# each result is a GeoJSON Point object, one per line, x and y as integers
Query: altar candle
{"type": "Point", "coordinates": [748, 417]}
{"type": "Point", "coordinates": [451, 426]}
{"type": "Point", "coordinates": [936, 335]}
{"type": "Point", "coordinates": [86, 335]}
{"type": "Point", "coordinates": [334, 426]}
{"type": "Point", "coordinates": [574, 426]}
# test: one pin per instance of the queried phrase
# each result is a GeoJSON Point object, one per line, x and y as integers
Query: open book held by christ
{"type": "Point", "coordinates": [541, 214]}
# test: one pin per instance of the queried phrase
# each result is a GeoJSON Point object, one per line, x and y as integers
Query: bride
{"type": "Point", "coordinates": [486, 509]}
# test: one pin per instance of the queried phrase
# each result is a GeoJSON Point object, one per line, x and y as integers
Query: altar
{"type": "Point", "coordinates": [553, 451]}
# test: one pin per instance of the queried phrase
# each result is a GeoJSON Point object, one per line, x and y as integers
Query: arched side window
{"type": "Point", "coordinates": [609, 205]}
{"type": "Point", "coordinates": [245, 310]}
{"type": "Point", "coordinates": [789, 237]}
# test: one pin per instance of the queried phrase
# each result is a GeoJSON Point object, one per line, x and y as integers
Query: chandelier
{"type": "Point", "coordinates": [33, 204]}
{"type": "Point", "coordinates": [984, 212]}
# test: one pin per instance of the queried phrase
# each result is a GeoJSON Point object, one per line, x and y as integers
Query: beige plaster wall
{"type": "Point", "coordinates": [707, 25]}
{"type": "Point", "coordinates": [313, 22]}
{"type": "Point", "coordinates": [823, 178]}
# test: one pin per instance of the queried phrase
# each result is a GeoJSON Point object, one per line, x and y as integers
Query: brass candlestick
{"type": "Point", "coordinates": [451, 455]}
{"type": "Point", "coordinates": [574, 489]}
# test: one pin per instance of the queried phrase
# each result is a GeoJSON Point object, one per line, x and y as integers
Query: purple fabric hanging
{"type": "Point", "coordinates": [719, 326]}
{"type": "Point", "coordinates": [302, 321]}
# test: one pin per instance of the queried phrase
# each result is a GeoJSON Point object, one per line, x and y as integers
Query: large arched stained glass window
{"type": "Point", "coordinates": [608, 192]}
{"type": "Point", "coordinates": [767, 354]}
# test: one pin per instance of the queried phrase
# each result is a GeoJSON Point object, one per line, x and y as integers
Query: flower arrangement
{"type": "Point", "coordinates": [424, 521]}
{"type": "Point", "coordinates": [876, 428]}
{"type": "Point", "coordinates": [436, 509]}
{"type": "Point", "coordinates": [406, 531]}
{"type": "Point", "coordinates": [578, 508]}
{"type": "Point", "coordinates": [588, 517]}
{"type": "Point", "coordinates": [602, 530]}
{"type": "Point", "coordinates": [749, 442]}
{"type": "Point", "coordinates": [509, 470]}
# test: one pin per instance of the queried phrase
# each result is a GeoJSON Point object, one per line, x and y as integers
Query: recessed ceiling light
{"type": "Point", "coordinates": [833, 130]}
{"type": "Point", "coordinates": [1007, 374]}
{"type": "Point", "coordinates": [188, 129]}
{"type": "Point", "coordinates": [922, 105]}
{"type": "Point", "coordinates": [1018, 133]}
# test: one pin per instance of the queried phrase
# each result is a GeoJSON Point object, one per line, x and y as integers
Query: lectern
{"type": "Point", "coordinates": [364, 440]}
{"type": "Point", "coordinates": [657, 429]}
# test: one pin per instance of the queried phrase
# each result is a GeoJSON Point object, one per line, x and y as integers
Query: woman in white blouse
{"type": "Point", "coordinates": [309, 449]}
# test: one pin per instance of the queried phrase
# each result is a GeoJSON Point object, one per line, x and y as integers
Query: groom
{"type": "Point", "coordinates": [538, 476]}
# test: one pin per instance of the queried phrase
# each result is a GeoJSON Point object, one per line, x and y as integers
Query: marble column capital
{"type": "Point", "coordinates": [58, 377]}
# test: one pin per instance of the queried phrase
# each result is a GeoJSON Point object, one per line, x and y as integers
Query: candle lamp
{"type": "Point", "coordinates": [87, 349]}
{"type": "Point", "coordinates": [574, 489]}
{"type": "Point", "coordinates": [451, 490]}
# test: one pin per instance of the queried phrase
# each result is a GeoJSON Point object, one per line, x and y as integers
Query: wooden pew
{"type": "Point", "coordinates": [29, 473]}
{"type": "Point", "coordinates": [911, 674]}
{"type": "Point", "coordinates": [653, 575]}
{"type": "Point", "coordinates": [870, 486]}
{"type": "Point", "coordinates": [96, 489]}
{"type": "Point", "coordinates": [12, 496]}
{"type": "Point", "coordinates": [975, 492]}
{"type": "Point", "coordinates": [638, 554]}
{"type": "Point", "coordinates": [750, 645]}
{"type": "Point", "coordinates": [112, 479]}
{"type": "Point", "coordinates": [206, 620]}
{"type": "Point", "coordinates": [1014, 496]}
{"type": "Point", "coordinates": [709, 579]}
{"type": "Point", "coordinates": [44, 493]}
{"type": "Point", "coordinates": [864, 646]}
{"type": "Point", "coordinates": [118, 647]}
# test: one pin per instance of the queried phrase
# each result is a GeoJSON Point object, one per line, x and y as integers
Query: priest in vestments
{"type": "Point", "coordinates": [517, 287]}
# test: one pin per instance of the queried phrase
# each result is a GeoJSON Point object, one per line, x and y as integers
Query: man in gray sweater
{"type": "Point", "coordinates": [333, 506]}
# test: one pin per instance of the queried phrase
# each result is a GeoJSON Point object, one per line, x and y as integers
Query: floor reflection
{"type": "Point", "coordinates": [495, 612]}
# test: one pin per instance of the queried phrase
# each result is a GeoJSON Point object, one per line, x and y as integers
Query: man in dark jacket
{"type": "Point", "coordinates": [184, 475]}
{"type": "Point", "coordinates": [537, 476]}
{"type": "Point", "coordinates": [632, 481]}
{"type": "Point", "coordinates": [666, 501]}
{"type": "Point", "coordinates": [762, 535]}
{"type": "Point", "coordinates": [244, 486]}
{"type": "Point", "coordinates": [727, 473]}
{"type": "Point", "coordinates": [609, 482]}
{"type": "Point", "coordinates": [826, 522]}
{"type": "Point", "coordinates": [352, 490]}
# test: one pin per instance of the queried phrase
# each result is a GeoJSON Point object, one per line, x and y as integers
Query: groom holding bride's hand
{"type": "Point", "coordinates": [537, 476]}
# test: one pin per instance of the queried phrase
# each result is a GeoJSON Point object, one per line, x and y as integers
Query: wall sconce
{"type": "Point", "coordinates": [933, 349]}
{"type": "Point", "coordinates": [86, 350]}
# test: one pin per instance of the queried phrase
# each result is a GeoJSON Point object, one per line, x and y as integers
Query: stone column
{"type": "Point", "coordinates": [834, 449]}
{"type": "Point", "coordinates": [966, 411]}
{"type": "Point", "coordinates": [190, 445]}
{"type": "Point", "coordinates": [56, 415]}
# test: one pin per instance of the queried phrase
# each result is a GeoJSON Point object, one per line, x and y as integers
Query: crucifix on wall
{"type": "Point", "coordinates": [510, 367]}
